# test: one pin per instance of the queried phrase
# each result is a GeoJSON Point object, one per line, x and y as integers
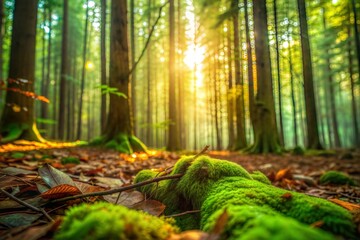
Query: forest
{"type": "Point", "coordinates": [212, 116]}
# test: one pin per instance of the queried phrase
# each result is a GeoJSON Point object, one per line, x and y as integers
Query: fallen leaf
{"type": "Point", "coordinates": [54, 177]}
{"type": "Point", "coordinates": [61, 191]}
{"type": "Point", "coordinates": [36, 202]}
{"type": "Point", "coordinates": [283, 174]}
{"type": "Point", "coordinates": [346, 205]}
{"type": "Point", "coordinates": [34, 232]}
{"type": "Point", "coordinates": [127, 199]}
{"type": "Point", "coordinates": [12, 171]}
{"type": "Point", "coordinates": [18, 219]}
{"type": "Point", "coordinates": [219, 226]}
{"type": "Point", "coordinates": [190, 235]}
{"type": "Point", "coordinates": [152, 207]}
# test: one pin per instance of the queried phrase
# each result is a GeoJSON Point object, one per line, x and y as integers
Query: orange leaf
{"type": "Point", "coordinates": [60, 191]}
{"type": "Point", "coordinates": [283, 174]}
{"type": "Point", "coordinates": [347, 205]}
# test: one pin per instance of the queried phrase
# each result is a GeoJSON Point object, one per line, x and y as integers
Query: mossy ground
{"type": "Point", "coordinates": [336, 178]}
{"type": "Point", "coordinates": [107, 221]}
{"type": "Point", "coordinates": [122, 143]}
{"type": "Point", "coordinates": [211, 184]}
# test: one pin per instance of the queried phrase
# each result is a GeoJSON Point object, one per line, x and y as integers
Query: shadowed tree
{"type": "Point", "coordinates": [18, 121]}
{"type": "Point", "coordinates": [313, 140]}
{"type": "Point", "coordinates": [118, 132]}
{"type": "Point", "coordinates": [265, 130]}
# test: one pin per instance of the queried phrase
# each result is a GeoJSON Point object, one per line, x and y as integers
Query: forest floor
{"type": "Point", "coordinates": [95, 169]}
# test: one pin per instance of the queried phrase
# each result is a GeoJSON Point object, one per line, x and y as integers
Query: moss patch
{"type": "Point", "coordinates": [211, 184]}
{"type": "Point", "coordinates": [107, 221]}
{"type": "Point", "coordinates": [254, 222]}
{"type": "Point", "coordinates": [67, 160]}
{"type": "Point", "coordinates": [336, 178]}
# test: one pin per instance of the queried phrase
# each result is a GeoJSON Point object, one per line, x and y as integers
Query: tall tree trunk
{"type": "Point", "coordinates": [216, 101]}
{"type": "Point", "coordinates": [103, 63]}
{"type": "Point", "coordinates": [64, 71]}
{"type": "Point", "coordinates": [292, 85]}
{"type": "Point", "coordinates": [313, 140]}
{"type": "Point", "coordinates": [250, 70]}
{"type": "Point", "coordinates": [331, 90]}
{"type": "Point", "coordinates": [43, 66]}
{"type": "Point", "coordinates": [149, 78]}
{"type": "Point", "coordinates": [45, 107]}
{"type": "Point", "coordinates": [356, 32]}
{"type": "Point", "coordinates": [240, 141]}
{"type": "Point", "coordinates": [18, 120]}
{"type": "Point", "coordinates": [118, 133]}
{"type": "Point", "coordinates": [352, 86]}
{"type": "Point", "coordinates": [265, 129]}
{"type": "Point", "coordinates": [83, 72]}
{"type": "Point", "coordinates": [281, 135]}
{"type": "Point", "coordinates": [133, 74]}
{"type": "Point", "coordinates": [2, 32]}
{"type": "Point", "coordinates": [231, 94]}
{"type": "Point", "coordinates": [173, 141]}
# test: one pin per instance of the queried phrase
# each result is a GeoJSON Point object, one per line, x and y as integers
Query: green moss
{"type": "Point", "coordinates": [239, 191]}
{"type": "Point", "coordinates": [253, 222]}
{"type": "Point", "coordinates": [336, 178]}
{"type": "Point", "coordinates": [210, 184]}
{"type": "Point", "coordinates": [67, 160]}
{"type": "Point", "coordinates": [259, 176]}
{"type": "Point", "coordinates": [298, 151]}
{"type": "Point", "coordinates": [320, 153]}
{"type": "Point", "coordinates": [17, 155]}
{"type": "Point", "coordinates": [107, 221]}
{"type": "Point", "coordinates": [202, 174]}
{"type": "Point", "coordinates": [125, 144]}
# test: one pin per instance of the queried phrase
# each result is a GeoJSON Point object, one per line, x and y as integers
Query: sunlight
{"type": "Point", "coordinates": [194, 55]}
{"type": "Point", "coordinates": [89, 65]}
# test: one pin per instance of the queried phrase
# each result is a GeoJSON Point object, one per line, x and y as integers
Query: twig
{"type": "Point", "coordinates": [183, 213]}
{"type": "Point", "coordinates": [148, 39]}
{"type": "Point", "coordinates": [121, 189]}
{"type": "Point", "coordinates": [41, 210]}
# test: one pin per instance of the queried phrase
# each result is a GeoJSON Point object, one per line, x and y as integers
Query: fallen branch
{"type": "Point", "coordinates": [118, 190]}
{"type": "Point", "coordinates": [148, 39]}
{"type": "Point", "coordinates": [183, 213]}
{"type": "Point", "coordinates": [41, 210]}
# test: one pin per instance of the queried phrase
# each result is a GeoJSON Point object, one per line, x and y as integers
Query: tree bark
{"type": "Point", "coordinates": [231, 94]}
{"type": "Point", "coordinates": [18, 120]}
{"type": "Point", "coordinates": [118, 133]}
{"type": "Point", "coordinates": [173, 139]}
{"type": "Point", "coordinates": [103, 63]}
{"type": "Point", "coordinates": [265, 130]}
{"type": "Point", "coordinates": [83, 72]}
{"type": "Point", "coordinates": [64, 71]}
{"type": "Point", "coordinates": [281, 135]}
{"type": "Point", "coordinates": [313, 140]}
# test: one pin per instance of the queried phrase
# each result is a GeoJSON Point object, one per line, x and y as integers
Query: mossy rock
{"type": "Point", "coordinates": [71, 160]}
{"type": "Point", "coordinates": [336, 178]}
{"type": "Point", "coordinates": [298, 151]}
{"type": "Point", "coordinates": [259, 176]}
{"type": "Point", "coordinates": [210, 184]}
{"type": "Point", "coordinates": [254, 222]}
{"type": "Point", "coordinates": [108, 221]}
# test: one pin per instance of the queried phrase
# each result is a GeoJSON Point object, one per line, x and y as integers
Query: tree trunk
{"type": "Point", "coordinates": [313, 140]}
{"type": "Point", "coordinates": [18, 120]}
{"type": "Point", "coordinates": [331, 91]}
{"type": "Point", "coordinates": [292, 85]}
{"type": "Point", "coordinates": [230, 95]}
{"type": "Point", "coordinates": [265, 129]}
{"type": "Point", "coordinates": [240, 141]}
{"type": "Point", "coordinates": [103, 63]}
{"type": "Point", "coordinates": [281, 135]}
{"type": "Point", "coordinates": [173, 141]}
{"type": "Point", "coordinates": [83, 72]}
{"type": "Point", "coordinates": [45, 107]}
{"type": "Point", "coordinates": [149, 78]}
{"type": "Point", "coordinates": [356, 32]}
{"type": "Point", "coordinates": [133, 74]}
{"type": "Point", "coordinates": [64, 71]}
{"type": "Point", "coordinates": [2, 31]}
{"type": "Point", "coordinates": [118, 133]}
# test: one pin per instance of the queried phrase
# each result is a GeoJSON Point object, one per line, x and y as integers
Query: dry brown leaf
{"type": "Point", "coordinates": [346, 205]}
{"type": "Point", "coordinates": [152, 207]}
{"type": "Point", "coordinates": [61, 191]}
{"type": "Point", "coordinates": [190, 235]}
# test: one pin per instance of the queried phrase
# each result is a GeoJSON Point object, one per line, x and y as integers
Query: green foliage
{"type": "Point", "coordinates": [12, 131]}
{"type": "Point", "coordinates": [255, 222]}
{"type": "Point", "coordinates": [124, 144]}
{"type": "Point", "coordinates": [67, 160]}
{"type": "Point", "coordinates": [105, 89]}
{"type": "Point", "coordinates": [45, 121]}
{"type": "Point", "coordinates": [107, 221]}
{"type": "Point", "coordinates": [212, 184]}
{"type": "Point", "coordinates": [336, 178]}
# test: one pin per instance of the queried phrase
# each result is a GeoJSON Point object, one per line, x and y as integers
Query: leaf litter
{"type": "Point", "coordinates": [36, 174]}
